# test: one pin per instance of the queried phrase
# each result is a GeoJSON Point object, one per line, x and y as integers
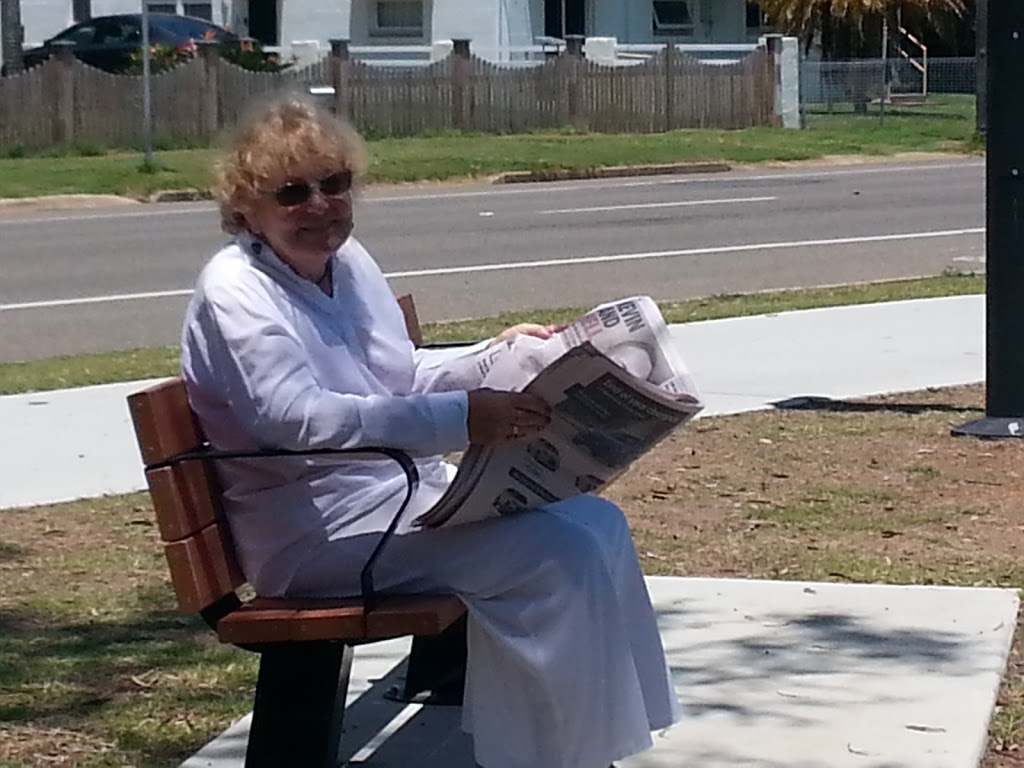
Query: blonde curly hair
{"type": "Point", "coordinates": [275, 140]}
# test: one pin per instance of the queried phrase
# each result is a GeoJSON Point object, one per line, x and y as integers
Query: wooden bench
{"type": "Point", "coordinates": [305, 646]}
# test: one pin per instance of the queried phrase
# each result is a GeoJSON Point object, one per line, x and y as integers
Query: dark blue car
{"type": "Point", "coordinates": [108, 42]}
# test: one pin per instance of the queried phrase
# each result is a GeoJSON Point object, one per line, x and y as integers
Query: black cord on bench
{"type": "Point", "coordinates": [412, 478]}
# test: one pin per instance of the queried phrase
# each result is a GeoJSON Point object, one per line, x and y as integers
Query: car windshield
{"type": "Point", "coordinates": [83, 34]}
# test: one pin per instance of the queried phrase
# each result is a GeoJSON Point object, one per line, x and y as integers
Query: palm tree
{"type": "Point", "coordinates": [842, 24]}
{"type": "Point", "coordinates": [11, 35]}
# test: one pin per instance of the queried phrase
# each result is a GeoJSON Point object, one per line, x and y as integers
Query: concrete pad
{"type": "Point", "coordinates": [68, 444]}
{"type": "Point", "coordinates": [746, 363]}
{"type": "Point", "coordinates": [770, 674]}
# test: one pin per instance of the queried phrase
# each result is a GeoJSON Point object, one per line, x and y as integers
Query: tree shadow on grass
{"type": "Point", "coordinates": [11, 552]}
{"type": "Point", "coordinates": [106, 676]}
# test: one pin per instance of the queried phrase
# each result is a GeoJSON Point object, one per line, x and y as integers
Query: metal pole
{"type": "Point", "coordinates": [981, 65]}
{"type": "Point", "coordinates": [147, 95]}
{"type": "Point", "coordinates": [1004, 255]}
{"type": "Point", "coordinates": [885, 69]}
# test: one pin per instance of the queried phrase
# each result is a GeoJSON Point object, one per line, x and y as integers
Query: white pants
{"type": "Point", "coordinates": [566, 667]}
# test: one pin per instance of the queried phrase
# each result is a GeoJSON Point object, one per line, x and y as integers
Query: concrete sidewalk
{"type": "Point", "coordinates": [68, 444]}
{"type": "Point", "coordinates": [771, 674]}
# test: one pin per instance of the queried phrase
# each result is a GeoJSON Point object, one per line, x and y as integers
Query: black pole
{"type": "Point", "coordinates": [1004, 254]}
{"type": "Point", "coordinates": [981, 65]}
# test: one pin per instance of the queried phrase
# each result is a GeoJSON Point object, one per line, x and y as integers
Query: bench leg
{"type": "Point", "coordinates": [438, 664]}
{"type": "Point", "coordinates": [300, 704]}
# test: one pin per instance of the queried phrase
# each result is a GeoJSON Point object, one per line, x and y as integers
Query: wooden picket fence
{"type": "Point", "coordinates": [66, 102]}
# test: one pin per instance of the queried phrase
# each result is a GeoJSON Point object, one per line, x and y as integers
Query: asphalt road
{"type": "Point", "coordinates": [106, 279]}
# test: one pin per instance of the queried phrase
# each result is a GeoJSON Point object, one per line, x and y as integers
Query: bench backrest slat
{"type": "Point", "coordinates": [164, 424]}
{"type": "Point", "coordinates": [412, 321]}
{"type": "Point", "coordinates": [182, 497]}
{"type": "Point", "coordinates": [202, 569]}
{"type": "Point", "coordinates": [197, 542]}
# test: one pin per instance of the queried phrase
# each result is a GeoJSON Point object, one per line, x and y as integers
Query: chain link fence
{"type": "Point", "coordinates": [865, 80]}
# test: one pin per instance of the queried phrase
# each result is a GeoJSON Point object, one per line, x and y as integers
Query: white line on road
{"type": "Point", "coordinates": [686, 252]}
{"type": "Point", "coordinates": [735, 176]}
{"type": "Point", "coordinates": [710, 178]}
{"type": "Point", "coordinates": [499, 267]}
{"type": "Point", "coordinates": [158, 209]}
{"type": "Point", "coordinates": [677, 204]}
{"type": "Point", "coordinates": [95, 299]}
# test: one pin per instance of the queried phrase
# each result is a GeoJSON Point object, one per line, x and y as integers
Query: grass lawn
{"type": "Point", "coordinates": [945, 124]}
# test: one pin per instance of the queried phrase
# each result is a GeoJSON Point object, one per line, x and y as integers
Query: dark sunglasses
{"type": "Point", "coordinates": [297, 192]}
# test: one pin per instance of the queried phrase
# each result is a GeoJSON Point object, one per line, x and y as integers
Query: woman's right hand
{"type": "Point", "coordinates": [497, 417]}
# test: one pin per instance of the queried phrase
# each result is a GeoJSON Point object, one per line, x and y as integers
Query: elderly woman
{"type": "Point", "coordinates": [294, 340]}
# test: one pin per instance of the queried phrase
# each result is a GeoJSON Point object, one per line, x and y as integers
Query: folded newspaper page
{"type": "Point", "coordinates": [609, 407]}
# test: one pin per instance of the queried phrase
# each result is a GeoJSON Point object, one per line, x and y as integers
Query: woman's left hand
{"type": "Point", "coordinates": [526, 329]}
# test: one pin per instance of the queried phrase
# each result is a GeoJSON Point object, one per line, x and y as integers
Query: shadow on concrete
{"type": "Point", "coordinates": [791, 663]}
{"type": "Point", "coordinates": [807, 659]}
{"type": "Point", "coordinates": [819, 403]}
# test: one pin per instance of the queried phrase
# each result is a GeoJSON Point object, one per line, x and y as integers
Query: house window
{"type": "Point", "coordinates": [162, 7]}
{"type": "Point", "coordinates": [672, 17]}
{"type": "Point", "coordinates": [397, 18]}
{"type": "Point", "coordinates": [199, 10]}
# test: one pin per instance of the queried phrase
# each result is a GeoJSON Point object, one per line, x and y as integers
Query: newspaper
{"type": "Point", "coordinates": [617, 387]}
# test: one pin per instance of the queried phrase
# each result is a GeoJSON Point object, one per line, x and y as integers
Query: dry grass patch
{"type": "Point", "coordinates": [96, 668]}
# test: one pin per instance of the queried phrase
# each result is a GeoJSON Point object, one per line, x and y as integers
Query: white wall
{"type": "Point", "coordinates": [729, 22]}
{"type": "Point", "coordinates": [42, 19]}
{"type": "Point", "coordinates": [635, 22]}
{"type": "Point", "coordinates": [630, 22]}
{"type": "Point", "coordinates": [610, 18]}
{"type": "Point", "coordinates": [475, 20]}
{"type": "Point", "coordinates": [517, 22]}
{"type": "Point", "coordinates": [319, 20]}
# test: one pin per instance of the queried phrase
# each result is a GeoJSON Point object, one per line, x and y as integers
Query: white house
{"type": "Point", "coordinates": [490, 24]}
{"type": "Point", "coordinates": [500, 23]}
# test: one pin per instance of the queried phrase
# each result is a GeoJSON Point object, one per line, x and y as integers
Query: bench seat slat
{"type": "Point", "coordinates": [264, 620]}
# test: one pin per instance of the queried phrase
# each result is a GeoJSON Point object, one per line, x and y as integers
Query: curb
{"type": "Point", "coordinates": [62, 202]}
{"type": "Point", "coordinates": [180, 196]}
{"type": "Point", "coordinates": [67, 202]}
{"type": "Point", "coordinates": [609, 172]}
